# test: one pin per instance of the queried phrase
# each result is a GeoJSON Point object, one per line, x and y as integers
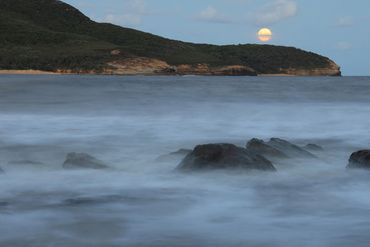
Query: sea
{"type": "Point", "coordinates": [142, 200]}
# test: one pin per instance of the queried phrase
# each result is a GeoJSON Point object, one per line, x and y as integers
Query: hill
{"type": "Point", "coordinates": [51, 35]}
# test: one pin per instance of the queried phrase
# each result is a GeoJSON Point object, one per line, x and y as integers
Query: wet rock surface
{"type": "Point", "coordinates": [83, 161]}
{"type": "Point", "coordinates": [359, 160]}
{"type": "Point", "coordinates": [223, 156]}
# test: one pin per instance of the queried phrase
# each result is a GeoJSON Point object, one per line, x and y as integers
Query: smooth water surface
{"type": "Point", "coordinates": [128, 122]}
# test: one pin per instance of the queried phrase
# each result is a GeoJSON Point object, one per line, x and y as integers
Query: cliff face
{"type": "Point", "coordinates": [149, 66]}
{"type": "Point", "coordinates": [50, 35]}
{"type": "Point", "coordinates": [331, 70]}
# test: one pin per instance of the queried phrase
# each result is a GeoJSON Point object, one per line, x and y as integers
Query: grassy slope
{"type": "Point", "coordinates": [49, 35]}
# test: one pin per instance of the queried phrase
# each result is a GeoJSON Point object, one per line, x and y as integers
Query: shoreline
{"type": "Point", "coordinates": [28, 72]}
{"type": "Point", "coordinates": [278, 75]}
{"type": "Point", "coordinates": [42, 72]}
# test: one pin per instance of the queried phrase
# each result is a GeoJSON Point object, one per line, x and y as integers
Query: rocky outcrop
{"type": "Point", "coordinates": [151, 66]}
{"type": "Point", "coordinates": [331, 70]}
{"type": "Point", "coordinates": [223, 156]}
{"type": "Point", "coordinates": [82, 161]}
{"type": "Point", "coordinates": [359, 160]}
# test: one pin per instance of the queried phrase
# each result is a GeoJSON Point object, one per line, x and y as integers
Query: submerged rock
{"type": "Point", "coordinates": [260, 147]}
{"type": "Point", "coordinates": [82, 161]}
{"type": "Point", "coordinates": [359, 160]}
{"type": "Point", "coordinates": [25, 163]}
{"type": "Point", "coordinates": [181, 153]}
{"type": "Point", "coordinates": [313, 147]}
{"type": "Point", "coordinates": [1, 170]}
{"type": "Point", "coordinates": [224, 156]}
{"type": "Point", "coordinates": [289, 149]}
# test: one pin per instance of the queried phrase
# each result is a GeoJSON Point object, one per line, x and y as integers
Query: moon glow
{"type": "Point", "coordinates": [264, 34]}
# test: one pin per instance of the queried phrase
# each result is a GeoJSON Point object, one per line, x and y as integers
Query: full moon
{"type": "Point", "coordinates": [264, 34]}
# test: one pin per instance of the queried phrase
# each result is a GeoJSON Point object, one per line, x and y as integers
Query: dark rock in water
{"type": "Point", "coordinates": [360, 160]}
{"type": "Point", "coordinates": [260, 147]}
{"type": "Point", "coordinates": [313, 147]}
{"type": "Point", "coordinates": [1, 170]}
{"type": "Point", "coordinates": [181, 153]}
{"type": "Point", "coordinates": [224, 156]}
{"type": "Point", "coordinates": [291, 150]}
{"type": "Point", "coordinates": [26, 162]}
{"type": "Point", "coordinates": [89, 201]}
{"type": "Point", "coordinates": [83, 161]}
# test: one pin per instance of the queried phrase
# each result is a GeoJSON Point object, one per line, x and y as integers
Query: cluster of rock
{"type": "Point", "coordinates": [257, 155]}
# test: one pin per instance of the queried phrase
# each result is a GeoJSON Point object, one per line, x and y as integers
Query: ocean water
{"type": "Point", "coordinates": [128, 122]}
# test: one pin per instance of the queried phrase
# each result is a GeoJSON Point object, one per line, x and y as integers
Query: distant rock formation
{"type": "Point", "coordinates": [359, 160]}
{"type": "Point", "coordinates": [223, 156]}
{"type": "Point", "coordinates": [332, 69]}
{"type": "Point", "coordinates": [82, 161]}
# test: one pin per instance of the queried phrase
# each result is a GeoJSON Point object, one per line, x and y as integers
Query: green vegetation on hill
{"type": "Point", "coordinates": [50, 35]}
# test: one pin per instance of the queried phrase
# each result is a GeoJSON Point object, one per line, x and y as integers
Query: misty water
{"type": "Point", "coordinates": [128, 122]}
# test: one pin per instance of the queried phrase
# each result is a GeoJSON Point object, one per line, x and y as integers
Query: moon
{"type": "Point", "coordinates": [264, 34]}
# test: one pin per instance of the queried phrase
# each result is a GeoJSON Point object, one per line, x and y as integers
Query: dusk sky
{"type": "Point", "coordinates": [338, 29]}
